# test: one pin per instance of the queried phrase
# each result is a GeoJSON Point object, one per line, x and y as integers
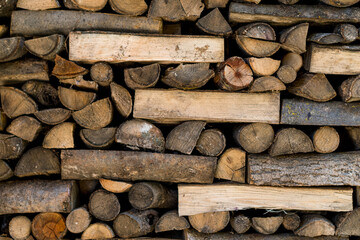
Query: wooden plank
{"type": "Point", "coordinates": [171, 106]}
{"type": "Point", "coordinates": [343, 60]}
{"type": "Point", "coordinates": [196, 198]}
{"type": "Point", "coordinates": [93, 47]}
{"type": "Point", "coordinates": [291, 14]}
{"type": "Point", "coordinates": [305, 112]}
{"type": "Point", "coordinates": [332, 169]}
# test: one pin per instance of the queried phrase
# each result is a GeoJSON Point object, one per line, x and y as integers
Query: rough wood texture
{"type": "Point", "coordinates": [99, 139]}
{"type": "Point", "coordinates": [214, 23]}
{"type": "Point", "coordinates": [231, 165]}
{"type": "Point", "coordinates": [104, 205]}
{"type": "Point", "coordinates": [294, 38]}
{"type": "Point", "coordinates": [286, 74]}
{"type": "Point", "coordinates": [3, 30]}
{"type": "Point", "coordinates": [142, 77]}
{"type": "Point", "coordinates": [115, 186]}
{"type": "Point", "coordinates": [266, 84]}
{"type": "Point", "coordinates": [42, 92]}
{"type": "Point", "coordinates": [256, 47]}
{"type": "Point", "coordinates": [122, 99]}
{"type": "Point", "coordinates": [95, 164]}
{"type": "Point", "coordinates": [102, 73]}
{"type": "Point", "coordinates": [291, 221]}
{"type": "Point", "coordinates": [211, 222]}
{"type": "Point", "coordinates": [348, 32]}
{"type": "Point", "coordinates": [38, 4]}
{"type": "Point", "coordinates": [74, 99]}
{"type": "Point", "coordinates": [197, 198]}
{"type": "Point", "coordinates": [5, 171]}
{"type": "Point", "coordinates": [330, 169]}
{"type": "Point", "coordinates": [267, 225]}
{"type": "Point", "coordinates": [53, 116]}
{"type": "Point", "coordinates": [215, 3]}
{"type": "Point", "coordinates": [81, 83]}
{"type": "Point", "coordinates": [171, 221]}
{"type": "Point", "coordinates": [129, 7]}
{"type": "Point", "coordinates": [218, 107]}
{"type": "Point", "coordinates": [87, 187]}
{"type": "Point", "coordinates": [78, 220]}
{"type": "Point", "coordinates": [4, 120]}
{"type": "Point", "coordinates": [288, 2]}
{"type": "Point", "coordinates": [87, 5]}
{"type": "Point", "coordinates": [20, 227]}
{"type": "Point", "coordinates": [354, 136]}
{"type": "Point", "coordinates": [46, 47]}
{"type": "Point", "coordinates": [326, 140]}
{"type": "Point", "coordinates": [43, 23]}
{"type": "Point", "coordinates": [325, 38]}
{"type": "Point", "coordinates": [15, 102]}
{"type": "Point", "coordinates": [294, 60]}
{"type": "Point", "coordinates": [98, 230]}
{"type": "Point", "coordinates": [11, 147]}
{"type": "Point", "coordinates": [65, 69]}
{"type": "Point", "coordinates": [11, 48]}
{"type": "Point", "coordinates": [6, 7]}
{"type": "Point", "coordinates": [60, 136]}
{"type": "Point", "coordinates": [263, 66]}
{"type": "Point", "coordinates": [25, 127]}
{"type": "Point", "coordinates": [350, 89]}
{"type": "Point", "coordinates": [37, 196]}
{"type": "Point", "coordinates": [340, 3]}
{"type": "Point", "coordinates": [305, 112]}
{"type": "Point", "coordinates": [240, 223]}
{"type": "Point", "coordinates": [346, 223]}
{"type": "Point", "coordinates": [211, 142]}
{"type": "Point", "coordinates": [315, 226]}
{"type": "Point", "coordinates": [49, 226]}
{"type": "Point", "coordinates": [257, 30]}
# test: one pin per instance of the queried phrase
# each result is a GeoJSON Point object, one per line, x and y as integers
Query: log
{"type": "Point", "coordinates": [115, 186]}
{"type": "Point", "coordinates": [171, 221]}
{"type": "Point", "coordinates": [285, 15]}
{"type": "Point", "coordinates": [20, 227]}
{"type": "Point", "coordinates": [37, 196]}
{"type": "Point", "coordinates": [7, 7]}
{"type": "Point", "coordinates": [354, 136]}
{"type": "Point", "coordinates": [211, 142]}
{"type": "Point", "coordinates": [305, 112]}
{"type": "Point", "coordinates": [357, 196]}
{"type": "Point", "coordinates": [42, 92]}
{"type": "Point", "coordinates": [146, 195]}
{"type": "Point", "coordinates": [294, 60]}
{"type": "Point", "coordinates": [23, 70]}
{"type": "Point", "coordinates": [78, 220]}
{"type": "Point", "coordinates": [129, 7]}
{"type": "Point", "coordinates": [325, 38]}
{"type": "Point", "coordinates": [46, 47]}
{"type": "Point", "coordinates": [188, 76]}
{"type": "Point", "coordinates": [139, 134]}
{"type": "Point", "coordinates": [231, 165]}
{"type": "Point", "coordinates": [209, 106]}
{"type": "Point", "coordinates": [11, 147]}
{"type": "Point", "coordinates": [100, 139]}
{"type": "Point", "coordinates": [199, 198]}
{"type": "Point", "coordinates": [315, 226]}
{"type": "Point", "coordinates": [266, 225]}
{"type": "Point", "coordinates": [122, 99]}
{"type": "Point", "coordinates": [3, 120]}
{"type": "Point", "coordinates": [214, 23]}
{"type": "Point", "coordinates": [15, 102]}
{"type": "Point", "coordinates": [257, 30]}
{"type": "Point", "coordinates": [172, 28]}
{"type": "Point", "coordinates": [326, 139]}
{"type": "Point", "coordinates": [304, 169]}
{"type": "Point", "coordinates": [211, 222]}
{"type": "Point", "coordinates": [286, 74]}
{"type": "Point", "coordinates": [65, 69]}
{"type": "Point", "coordinates": [288, 2]}
{"type": "Point", "coordinates": [89, 5]}
{"type": "Point", "coordinates": [3, 30]}
{"type": "Point", "coordinates": [240, 223]}
{"type": "Point", "coordinates": [97, 231]}
{"type": "Point", "coordinates": [254, 137]}
{"type": "Point", "coordinates": [49, 226]}
{"type": "Point", "coordinates": [37, 161]}
{"type": "Point", "coordinates": [183, 138]}
{"type": "Point", "coordinates": [263, 66]}
{"type": "Point", "coordinates": [256, 47]}
{"type": "Point", "coordinates": [25, 127]}
{"type": "Point", "coordinates": [88, 186]}
{"type": "Point", "coordinates": [266, 84]}
{"type": "Point", "coordinates": [294, 38]}
{"type": "Point", "coordinates": [216, 3]}
{"type": "Point", "coordinates": [314, 87]}
{"type": "Point", "coordinates": [92, 47]}
{"type": "Point", "coordinates": [350, 89]}
{"type": "Point", "coordinates": [53, 116]}
{"type": "Point", "coordinates": [38, 5]}
{"type": "Point", "coordinates": [95, 164]}
{"type": "Point", "coordinates": [346, 223]}
{"type": "Point", "coordinates": [5, 171]}
{"type": "Point", "coordinates": [102, 73]}
{"type": "Point", "coordinates": [12, 48]}
{"type": "Point", "coordinates": [340, 3]}
{"type": "Point", "coordinates": [348, 32]}
{"type": "Point", "coordinates": [135, 223]}
{"type": "Point", "coordinates": [60, 136]}
{"type": "Point", "coordinates": [44, 23]}
{"type": "Point", "coordinates": [96, 115]}
{"type": "Point", "coordinates": [142, 77]}
{"type": "Point", "coordinates": [104, 205]}
{"type": "Point", "coordinates": [291, 221]}
{"type": "Point", "coordinates": [79, 82]}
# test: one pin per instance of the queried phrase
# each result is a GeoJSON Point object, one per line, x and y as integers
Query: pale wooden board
{"type": "Point", "coordinates": [196, 198]}
{"type": "Point", "coordinates": [93, 47]}
{"type": "Point", "coordinates": [172, 106]}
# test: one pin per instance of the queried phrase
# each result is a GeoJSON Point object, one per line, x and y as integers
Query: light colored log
{"type": "Point", "coordinates": [38, 4]}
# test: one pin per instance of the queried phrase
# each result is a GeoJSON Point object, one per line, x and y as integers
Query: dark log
{"type": "Point", "coordinates": [38, 4]}
{"type": "Point", "coordinates": [266, 225]}
{"type": "Point", "coordinates": [5, 171]}
{"type": "Point", "coordinates": [53, 116]}
{"type": "Point", "coordinates": [87, 187]}
{"type": "Point", "coordinates": [102, 73]}
{"type": "Point", "coordinates": [89, 5]}
{"type": "Point", "coordinates": [4, 120]}
{"type": "Point", "coordinates": [346, 223]}
{"type": "Point", "coordinates": [142, 77]}
{"type": "Point", "coordinates": [231, 165]}
{"type": "Point", "coordinates": [15, 102]}
{"type": "Point", "coordinates": [348, 32]}
{"type": "Point", "coordinates": [256, 47]}
{"type": "Point", "coordinates": [46, 47]}
{"type": "Point", "coordinates": [354, 136]}
{"type": "Point", "coordinates": [6, 7]}
{"type": "Point", "coordinates": [211, 142]}
{"type": "Point", "coordinates": [263, 66]}
{"type": "Point", "coordinates": [294, 38]}
{"type": "Point", "coordinates": [240, 223]}
{"type": "Point", "coordinates": [326, 140]}
{"type": "Point", "coordinates": [286, 74]}
{"type": "Point", "coordinates": [100, 139]}
{"type": "Point", "coordinates": [3, 30]}
{"type": "Point", "coordinates": [11, 147]}
{"type": "Point", "coordinates": [172, 28]}
{"type": "Point", "coordinates": [257, 30]}
{"type": "Point", "coordinates": [171, 221]}
{"type": "Point", "coordinates": [65, 69]}
{"type": "Point", "coordinates": [129, 7]}
{"type": "Point", "coordinates": [288, 2]}
{"type": "Point", "coordinates": [20, 227]}
{"type": "Point", "coordinates": [104, 205]}
{"type": "Point", "coordinates": [115, 186]}
{"type": "Point", "coordinates": [122, 99]}
{"type": "Point", "coordinates": [98, 230]}
{"type": "Point", "coordinates": [291, 221]}
{"type": "Point", "coordinates": [49, 226]}
{"type": "Point", "coordinates": [215, 3]}
{"type": "Point", "coordinates": [266, 84]}
{"type": "Point", "coordinates": [74, 99]}
{"type": "Point", "coordinates": [210, 222]}
{"type": "Point", "coordinates": [78, 220]}
{"type": "Point", "coordinates": [12, 48]}
{"type": "Point", "coordinates": [350, 89]}
{"type": "Point", "coordinates": [60, 136]}
{"type": "Point", "coordinates": [315, 226]}
{"type": "Point", "coordinates": [214, 23]}
{"type": "Point", "coordinates": [42, 92]}
{"type": "Point", "coordinates": [325, 38]}
{"type": "Point", "coordinates": [25, 127]}
{"type": "Point", "coordinates": [294, 60]}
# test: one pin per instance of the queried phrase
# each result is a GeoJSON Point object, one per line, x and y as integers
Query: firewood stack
{"type": "Point", "coordinates": [179, 119]}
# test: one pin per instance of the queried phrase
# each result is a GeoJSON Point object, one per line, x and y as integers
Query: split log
{"type": "Point", "coordinates": [357, 196]}
{"type": "Point", "coordinates": [3, 120]}
{"type": "Point", "coordinates": [286, 15]}
{"type": "Point", "coordinates": [294, 60]}
{"type": "Point", "coordinates": [25, 127]}
{"type": "Point", "coordinates": [50, 226]}
{"type": "Point", "coordinates": [294, 38]}
{"type": "Point", "coordinates": [305, 112]}
{"type": "Point", "coordinates": [87, 187]}
{"type": "Point", "coordinates": [139, 134]}
{"type": "Point", "coordinates": [53, 116]}
{"type": "Point", "coordinates": [326, 140]}
{"type": "Point", "coordinates": [3, 30]}
{"type": "Point", "coordinates": [96, 115]}
{"type": "Point", "coordinates": [348, 32]}
{"type": "Point", "coordinates": [146, 195]}
{"type": "Point", "coordinates": [115, 186]}
{"type": "Point", "coordinates": [5, 171]}
{"type": "Point", "coordinates": [304, 169]}
{"type": "Point", "coordinates": [288, 2]}
{"type": "Point", "coordinates": [188, 76]}
{"type": "Point", "coordinates": [37, 161]}
{"type": "Point", "coordinates": [46, 47]}
{"type": "Point", "coordinates": [231, 165]}
{"type": "Point", "coordinates": [95, 164]}
{"type": "Point", "coordinates": [263, 66]}
{"type": "Point", "coordinates": [211, 222]}
{"type": "Point", "coordinates": [81, 83]}
{"type": "Point", "coordinates": [354, 136]}
{"type": "Point", "coordinates": [7, 7]}
{"type": "Point", "coordinates": [42, 92]}
{"type": "Point", "coordinates": [104, 205]}
{"type": "Point", "coordinates": [256, 47]}
{"type": "Point", "coordinates": [266, 225]}
{"type": "Point", "coordinates": [171, 221]}
{"type": "Point", "coordinates": [12, 48]}
{"type": "Point", "coordinates": [142, 77]}
{"type": "Point", "coordinates": [219, 106]}
{"type": "Point", "coordinates": [216, 3]}
{"type": "Point", "coordinates": [90, 47]}
{"type": "Point", "coordinates": [199, 198]}
{"type": "Point", "coordinates": [315, 226]}
{"type": "Point", "coordinates": [11, 147]}
{"type": "Point", "coordinates": [28, 196]}
{"type": "Point", "coordinates": [254, 137]}
{"type": "Point", "coordinates": [78, 220]}
{"type": "Point", "coordinates": [74, 99]}
{"type": "Point", "coordinates": [99, 139]}
{"type": "Point", "coordinates": [60, 136]}
{"type": "Point", "coordinates": [286, 74]}
{"type": "Point", "coordinates": [240, 223]}
{"type": "Point", "coordinates": [15, 102]}
{"type": "Point", "coordinates": [315, 87]}
{"type": "Point", "coordinates": [20, 227]}
{"type": "Point", "coordinates": [38, 5]}
{"type": "Point", "coordinates": [102, 73]}
{"type": "Point", "coordinates": [89, 5]}
{"type": "Point", "coordinates": [122, 99]}
{"type": "Point", "coordinates": [340, 3]}
{"type": "Point", "coordinates": [183, 138]}
{"type": "Point", "coordinates": [211, 142]}
{"type": "Point", "coordinates": [98, 230]}
{"type": "Point", "coordinates": [325, 38]}
{"type": "Point", "coordinates": [23, 70]}
{"type": "Point", "coordinates": [214, 23]}
{"type": "Point", "coordinates": [129, 7]}
{"type": "Point", "coordinates": [346, 223]}
{"type": "Point", "coordinates": [135, 223]}
{"type": "Point", "coordinates": [257, 30]}
{"type": "Point", "coordinates": [291, 221]}
{"type": "Point", "coordinates": [350, 89]}
{"type": "Point", "coordinates": [266, 84]}
{"type": "Point", "coordinates": [44, 23]}
{"type": "Point", "coordinates": [65, 69]}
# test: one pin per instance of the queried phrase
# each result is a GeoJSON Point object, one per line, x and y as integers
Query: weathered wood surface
{"type": "Point", "coordinates": [43, 92]}
{"type": "Point", "coordinates": [12, 48]}
{"type": "Point", "coordinates": [232, 165]}
{"type": "Point", "coordinates": [333, 169]}
{"type": "Point", "coordinates": [340, 3]}
{"type": "Point", "coordinates": [171, 221]}
{"type": "Point", "coordinates": [210, 222]}
{"type": "Point", "coordinates": [196, 198]}
{"type": "Point", "coordinates": [38, 4]}
{"type": "Point", "coordinates": [88, 5]}
{"type": "Point", "coordinates": [267, 225]}
{"type": "Point", "coordinates": [305, 112]}
{"type": "Point", "coordinates": [129, 7]}
{"type": "Point", "coordinates": [98, 230]}
{"type": "Point", "coordinates": [11, 146]}
{"type": "Point", "coordinates": [92, 47]}
{"type": "Point", "coordinates": [346, 223]}
{"type": "Point", "coordinates": [210, 106]}
{"type": "Point", "coordinates": [46, 47]}
{"type": "Point", "coordinates": [104, 205]}
{"type": "Point", "coordinates": [53, 116]}
{"type": "Point", "coordinates": [313, 225]}
{"type": "Point", "coordinates": [20, 227]}
{"type": "Point", "coordinates": [133, 166]}
{"type": "Point", "coordinates": [48, 225]}
{"type": "Point", "coordinates": [78, 220]}
{"type": "Point", "coordinates": [15, 102]}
